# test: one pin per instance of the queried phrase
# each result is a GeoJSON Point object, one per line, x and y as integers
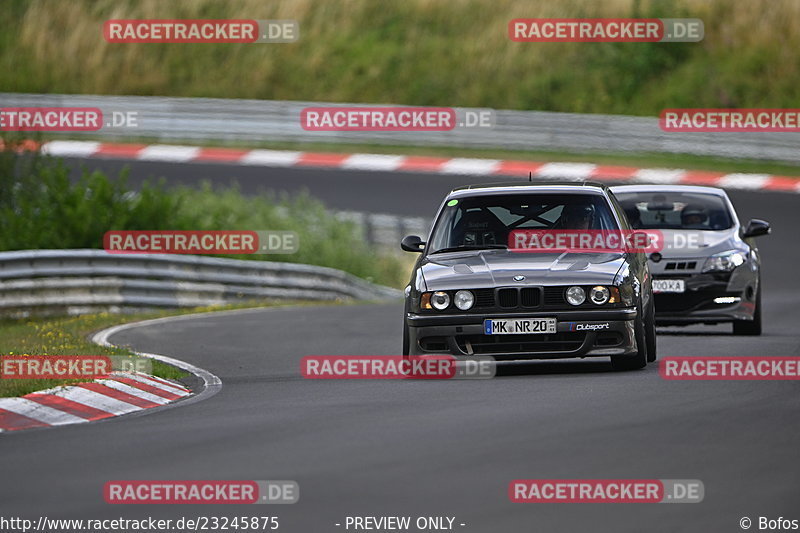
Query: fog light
{"type": "Point", "coordinates": [576, 295]}
{"type": "Point", "coordinates": [440, 300]}
{"type": "Point", "coordinates": [464, 300]}
{"type": "Point", "coordinates": [727, 300]}
{"type": "Point", "coordinates": [599, 295]}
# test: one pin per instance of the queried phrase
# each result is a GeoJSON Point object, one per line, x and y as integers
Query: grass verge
{"type": "Point", "coordinates": [419, 52]}
{"type": "Point", "coordinates": [70, 336]}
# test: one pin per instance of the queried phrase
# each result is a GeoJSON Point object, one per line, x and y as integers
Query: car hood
{"type": "Point", "coordinates": [687, 244]}
{"type": "Point", "coordinates": [495, 268]}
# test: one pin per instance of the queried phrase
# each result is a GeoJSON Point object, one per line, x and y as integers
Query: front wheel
{"type": "Point", "coordinates": [406, 342]}
{"type": "Point", "coordinates": [750, 327]}
{"type": "Point", "coordinates": [639, 359]}
{"type": "Point", "coordinates": [650, 334]}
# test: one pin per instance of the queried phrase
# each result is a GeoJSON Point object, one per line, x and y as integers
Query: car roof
{"type": "Point", "coordinates": [668, 188]}
{"type": "Point", "coordinates": [522, 187]}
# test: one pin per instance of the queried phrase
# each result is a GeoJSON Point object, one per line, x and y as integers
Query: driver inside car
{"type": "Point", "coordinates": [576, 216]}
{"type": "Point", "coordinates": [693, 216]}
{"type": "Point", "coordinates": [479, 227]}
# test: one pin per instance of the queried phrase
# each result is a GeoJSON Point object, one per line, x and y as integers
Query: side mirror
{"type": "Point", "coordinates": [412, 243]}
{"type": "Point", "coordinates": [756, 228]}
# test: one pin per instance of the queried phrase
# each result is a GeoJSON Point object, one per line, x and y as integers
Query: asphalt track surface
{"type": "Point", "coordinates": [436, 448]}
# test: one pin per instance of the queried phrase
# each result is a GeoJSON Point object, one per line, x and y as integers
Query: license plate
{"type": "Point", "coordinates": [669, 285]}
{"type": "Point", "coordinates": [518, 326]}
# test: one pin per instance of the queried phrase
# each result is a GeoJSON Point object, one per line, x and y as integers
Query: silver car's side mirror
{"type": "Point", "coordinates": [756, 228]}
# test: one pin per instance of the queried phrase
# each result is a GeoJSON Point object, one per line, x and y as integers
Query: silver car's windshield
{"type": "Point", "coordinates": [486, 221]}
{"type": "Point", "coordinates": [675, 210]}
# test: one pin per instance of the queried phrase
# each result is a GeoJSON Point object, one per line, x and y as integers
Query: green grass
{"type": "Point", "coordinates": [61, 336]}
{"type": "Point", "coordinates": [420, 52]}
{"type": "Point", "coordinates": [70, 336]}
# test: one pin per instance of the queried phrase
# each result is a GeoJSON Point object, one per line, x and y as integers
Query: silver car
{"type": "Point", "coordinates": [707, 267]}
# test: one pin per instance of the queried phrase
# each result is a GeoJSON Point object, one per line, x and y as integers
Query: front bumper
{"type": "Point", "coordinates": [697, 305]}
{"type": "Point", "coordinates": [584, 333]}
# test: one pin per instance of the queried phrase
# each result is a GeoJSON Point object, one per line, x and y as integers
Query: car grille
{"type": "Point", "coordinates": [681, 265]}
{"type": "Point", "coordinates": [511, 344]}
{"type": "Point", "coordinates": [529, 297]}
{"type": "Point", "coordinates": [484, 298]}
{"type": "Point", "coordinates": [509, 298]}
{"type": "Point", "coordinates": [554, 296]}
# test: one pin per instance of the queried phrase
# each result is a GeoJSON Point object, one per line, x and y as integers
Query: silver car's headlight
{"type": "Point", "coordinates": [464, 300]}
{"type": "Point", "coordinates": [724, 262]}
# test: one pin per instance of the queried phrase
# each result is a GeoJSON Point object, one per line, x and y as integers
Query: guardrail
{"type": "Point", "coordinates": [83, 281]}
{"type": "Point", "coordinates": [385, 230]}
{"type": "Point", "coordinates": [253, 121]}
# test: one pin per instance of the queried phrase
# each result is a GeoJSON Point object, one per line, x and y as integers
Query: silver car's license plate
{"type": "Point", "coordinates": [669, 285]}
{"type": "Point", "coordinates": [518, 326]}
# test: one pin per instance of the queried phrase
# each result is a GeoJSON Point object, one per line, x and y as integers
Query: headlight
{"type": "Point", "coordinates": [464, 300]}
{"type": "Point", "coordinates": [440, 300]}
{"type": "Point", "coordinates": [724, 262]}
{"type": "Point", "coordinates": [599, 295]}
{"type": "Point", "coordinates": [576, 295]}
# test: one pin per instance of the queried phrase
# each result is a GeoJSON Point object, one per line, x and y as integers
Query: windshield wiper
{"type": "Point", "coordinates": [472, 247]}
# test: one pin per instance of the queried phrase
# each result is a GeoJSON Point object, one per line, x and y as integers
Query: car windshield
{"type": "Point", "coordinates": [484, 222]}
{"type": "Point", "coordinates": [675, 210]}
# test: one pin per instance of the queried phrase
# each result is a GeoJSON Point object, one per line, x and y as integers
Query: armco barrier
{"type": "Point", "coordinates": [82, 281]}
{"type": "Point", "coordinates": [253, 121]}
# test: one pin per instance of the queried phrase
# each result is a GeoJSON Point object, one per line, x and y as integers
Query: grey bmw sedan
{"type": "Point", "coordinates": [470, 293]}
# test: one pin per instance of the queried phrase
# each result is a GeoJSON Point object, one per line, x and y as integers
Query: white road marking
{"type": "Point", "coordinates": [94, 399]}
{"type": "Point", "coordinates": [471, 167]}
{"type": "Point", "coordinates": [37, 411]}
{"type": "Point", "coordinates": [270, 158]}
{"type": "Point", "coordinates": [165, 152]}
{"type": "Point", "coordinates": [133, 391]}
{"type": "Point", "coordinates": [565, 171]}
{"type": "Point", "coordinates": [659, 175]}
{"type": "Point", "coordinates": [174, 389]}
{"type": "Point", "coordinates": [743, 181]}
{"type": "Point", "coordinates": [70, 148]}
{"type": "Point", "coordinates": [373, 162]}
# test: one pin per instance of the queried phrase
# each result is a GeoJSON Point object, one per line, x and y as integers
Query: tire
{"type": "Point", "coordinates": [650, 334]}
{"type": "Point", "coordinates": [406, 341]}
{"type": "Point", "coordinates": [750, 327]}
{"type": "Point", "coordinates": [639, 359]}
